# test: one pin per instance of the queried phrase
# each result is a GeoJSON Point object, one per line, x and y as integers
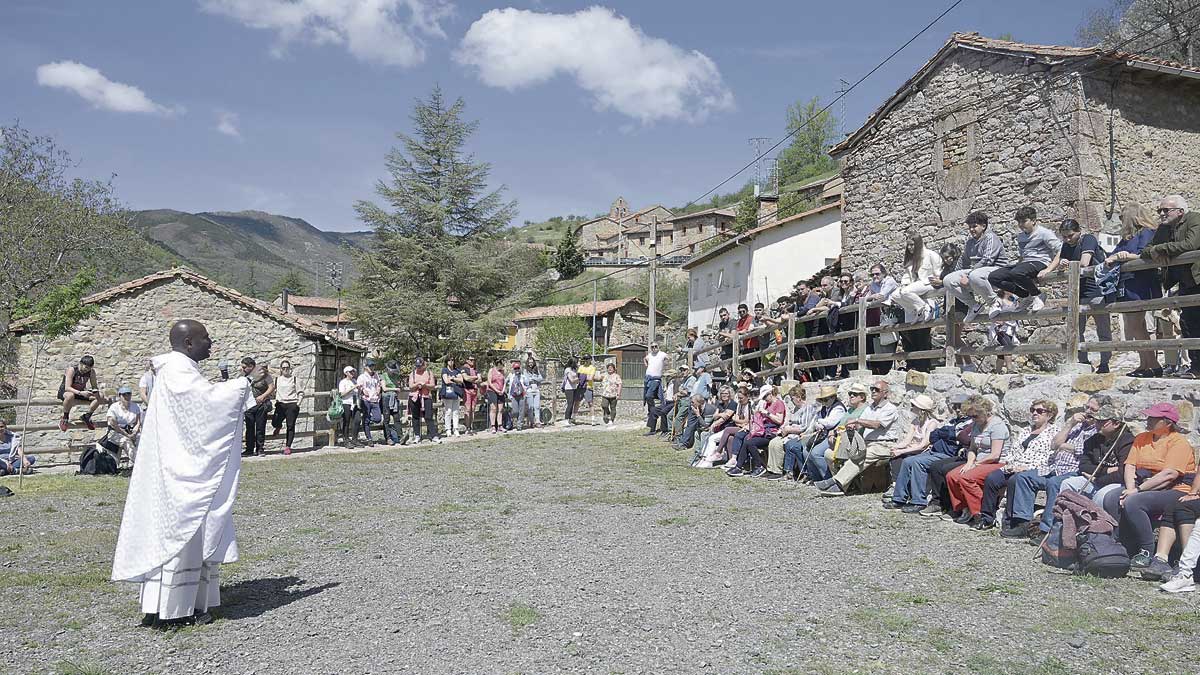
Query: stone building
{"type": "Point", "coordinates": [683, 235]}
{"type": "Point", "coordinates": [994, 125]}
{"type": "Point", "coordinates": [617, 321]}
{"type": "Point", "coordinates": [131, 324]}
{"type": "Point", "coordinates": [620, 233]}
{"type": "Point", "coordinates": [318, 309]}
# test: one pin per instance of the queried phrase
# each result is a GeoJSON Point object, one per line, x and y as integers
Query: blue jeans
{"type": "Point", "coordinates": [1024, 488]}
{"type": "Point", "coordinates": [390, 408]}
{"type": "Point", "coordinates": [816, 467]}
{"type": "Point", "coordinates": [793, 456]}
{"type": "Point", "coordinates": [371, 414]}
{"type": "Point", "coordinates": [651, 393]}
{"type": "Point", "coordinates": [912, 485]}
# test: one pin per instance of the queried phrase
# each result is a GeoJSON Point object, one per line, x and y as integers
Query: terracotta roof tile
{"type": "Point", "coordinates": [580, 309]}
{"type": "Point", "coordinates": [312, 301]}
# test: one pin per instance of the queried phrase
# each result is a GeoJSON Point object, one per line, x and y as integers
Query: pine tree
{"type": "Point", "coordinates": [293, 281]}
{"type": "Point", "coordinates": [568, 259]}
{"type": "Point", "coordinates": [437, 278]}
{"type": "Point", "coordinates": [747, 214]}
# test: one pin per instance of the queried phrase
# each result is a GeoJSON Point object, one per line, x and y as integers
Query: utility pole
{"type": "Point", "coordinates": [758, 143]}
{"type": "Point", "coordinates": [595, 298]}
{"type": "Point", "coordinates": [842, 110]}
{"type": "Point", "coordinates": [334, 270]}
{"type": "Point", "coordinates": [653, 275]}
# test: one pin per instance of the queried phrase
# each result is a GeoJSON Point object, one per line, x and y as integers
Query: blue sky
{"type": "Point", "coordinates": [289, 107]}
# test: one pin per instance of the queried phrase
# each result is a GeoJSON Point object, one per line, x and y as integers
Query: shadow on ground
{"type": "Point", "coordinates": [254, 597]}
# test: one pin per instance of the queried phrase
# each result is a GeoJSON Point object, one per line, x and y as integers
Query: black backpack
{"type": "Point", "coordinates": [96, 461]}
{"type": "Point", "coordinates": [1101, 555]}
{"type": "Point", "coordinates": [1052, 551]}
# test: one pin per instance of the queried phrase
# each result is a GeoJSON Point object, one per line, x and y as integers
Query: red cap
{"type": "Point", "coordinates": [1164, 410]}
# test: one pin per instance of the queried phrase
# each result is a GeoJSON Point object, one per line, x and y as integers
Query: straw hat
{"type": "Point", "coordinates": [827, 391]}
{"type": "Point", "coordinates": [922, 402]}
{"type": "Point", "coordinates": [787, 386]}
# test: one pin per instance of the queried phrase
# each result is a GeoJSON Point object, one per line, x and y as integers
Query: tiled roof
{"type": "Point", "coordinates": [975, 41]}
{"type": "Point", "coordinates": [580, 309]}
{"type": "Point", "coordinates": [312, 301]}
{"type": "Point", "coordinates": [719, 211]}
{"type": "Point", "coordinates": [304, 326]}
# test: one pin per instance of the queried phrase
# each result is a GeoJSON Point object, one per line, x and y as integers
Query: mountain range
{"type": "Point", "coordinates": [249, 250]}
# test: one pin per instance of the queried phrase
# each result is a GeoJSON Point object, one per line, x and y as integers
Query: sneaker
{"type": "Point", "coordinates": [773, 476]}
{"type": "Point", "coordinates": [647, 434]}
{"type": "Point", "coordinates": [887, 494]}
{"type": "Point", "coordinates": [1159, 570]}
{"type": "Point", "coordinates": [1141, 560]}
{"type": "Point", "coordinates": [735, 473]}
{"type": "Point", "coordinates": [87, 421]}
{"type": "Point", "coordinates": [834, 490]}
{"type": "Point", "coordinates": [931, 510]}
{"type": "Point", "coordinates": [703, 464]}
{"type": "Point", "coordinates": [978, 523]}
{"type": "Point", "coordinates": [287, 450]}
{"type": "Point", "coordinates": [912, 508]}
{"type": "Point", "coordinates": [1180, 583]}
{"type": "Point", "coordinates": [62, 424]}
{"type": "Point", "coordinates": [890, 505]}
{"type": "Point", "coordinates": [758, 473]}
{"type": "Point", "coordinates": [824, 484]}
{"type": "Point", "coordinates": [972, 312]}
{"type": "Point", "coordinates": [964, 518]}
{"type": "Point", "coordinates": [1034, 304]}
{"type": "Point", "coordinates": [1015, 533]}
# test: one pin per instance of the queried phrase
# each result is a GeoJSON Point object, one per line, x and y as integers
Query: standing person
{"type": "Point", "coordinates": [880, 289]}
{"type": "Point", "coordinates": [146, 383]}
{"type": "Point", "coordinates": [921, 265]}
{"type": "Point", "coordinates": [262, 385]}
{"type": "Point", "coordinates": [610, 393]}
{"type": "Point", "coordinates": [79, 386]}
{"type": "Point", "coordinates": [470, 383]}
{"type": "Point", "coordinates": [534, 376]}
{"type": "Point", "coordinates": [1138, 230]}
{"type": "Point", "coordinates": [124, 419]}
{"type": "Point", "coordinates": [348, 390]}
{"type": "Point", "coordinates": [587, 380]}
{"type": "Point", "coordinates": [1184, 228]}
{"type": "Point", "coordinates": [1081, 247]}
{"type": "Point", "coordinates": [370, 395]}
{"type": "Point", "coordinates": [726, 334]}
{"type": "Point", "coordinates": [570, 387]}
{"type": "Point", "coordinates": [393, 412]}
{"type": "Point", "coordinates": [652, 387]}
{"type": "Point", "coordinates": [1039, 253]}
{"type": "Point", "coordinates": [451, 391]}
{"type": "Point", "coordinates": [495, 396]}
{"type": "Point", "coordinates": [983, 253]}
{"type": "Point", "coordinates": [287, 404]}
{"type": "Point", "coordinates": [516, 387]}
{"type": "Point", "coordinates": [421, 384]}
{"type": "Point", "coordinates": [177, 527]}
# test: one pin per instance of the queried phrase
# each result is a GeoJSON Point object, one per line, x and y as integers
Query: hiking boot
{"type": "Point", "coordinates": [931, 510]}
{"type": "Point", "coordinates": [912, 508]}
{"type": "Point", "coordinates": [834, 490]}
{"type": "Point", "coordinates": [1015, 533]}
{"type": "Point", "coordinates": [824, 484]}
{"type": "Point", "coordinates": [774, 476]}
{"type": "Point", "coordinates": [1141, 560]}
{"type": "Point", "coordinates": [1158, 570]}
{"type": "Point", "coordinates": [1180, 583]}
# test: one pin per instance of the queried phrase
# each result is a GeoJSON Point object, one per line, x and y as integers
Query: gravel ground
{"type": "Point", "coordinates": [582, 550]}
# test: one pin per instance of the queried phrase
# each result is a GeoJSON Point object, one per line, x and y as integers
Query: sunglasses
{"type": "Point", "coordinates": [1038, 411]}
{"type": "Point", "coordinates": [876, 274]}
{"type": "Point", "coordinates": [1166, 211]}
{"type": "Point", "coordinates": [875, 389]}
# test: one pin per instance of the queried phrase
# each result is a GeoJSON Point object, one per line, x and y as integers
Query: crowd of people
{"type": "Point", "coordinates": [984, 279]}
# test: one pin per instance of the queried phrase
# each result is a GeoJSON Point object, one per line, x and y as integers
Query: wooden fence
{"type": "Point", "coordinates": [952, 326]}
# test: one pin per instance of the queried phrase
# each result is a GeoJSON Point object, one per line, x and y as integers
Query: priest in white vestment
{"type": "Point", "coordinates": [178, 523]}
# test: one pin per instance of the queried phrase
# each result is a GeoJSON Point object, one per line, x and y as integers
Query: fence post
{"type": "Point", "coordinates": [862, 332]}
{"type": "Point", "coordinates": [733, 362]}
{"type": "Point", "coordinates": [952, 329]}
{"type": "Point", "coordinates": [791, 349]}
{"type": "Point", "coordinates": [1072, 310]}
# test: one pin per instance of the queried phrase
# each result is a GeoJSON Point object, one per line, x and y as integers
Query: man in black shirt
{"type": "Point", "coordinates": [1084, 248]}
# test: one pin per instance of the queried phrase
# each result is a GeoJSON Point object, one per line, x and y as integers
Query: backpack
{"type": "Point", "coordinates": [517, 390]}
{"type": "Point", "coordinates": [96, 461]}
{"type": "Point", "coordinates": [1100, 555]}
{"type": "Point", "coordinates": [1053, 552]}
{"type": "Point", "coordinates": [335, 407]}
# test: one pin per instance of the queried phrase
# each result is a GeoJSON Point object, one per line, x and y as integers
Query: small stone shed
{"type": "Point", "coordinates": [133, 319]}
{"type": "Point", "coordinates": [994, 125]}
{"type": "Point", "coordinates": [618, 321]}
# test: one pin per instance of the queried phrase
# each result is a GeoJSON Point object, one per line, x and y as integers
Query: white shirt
{"type": "Point", "coordinates": [147, 383]}
{"type": "Point", "coordinates": [655, 364]}
{"type": "Point", "coordinates": [124, 417]}
{"type": "Point", "coordinates": [285, 389]}
{"type": "Point", "coordinates": [931, 266]}
{"type": "Point", "coordinates": [885, 414]}
{"type": "Point", "coordinates": [370, 386]}
{"type": "Point", "coordinates": [346, 388]}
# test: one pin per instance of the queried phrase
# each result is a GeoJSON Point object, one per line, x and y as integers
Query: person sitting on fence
{"type": "Point", "coordinates": [921, 265]}
{"type": "Point", "coordinates": [989, 441]}
{"type": "Point", "coordinates": [348, 390]}
{"type": "Point", "coordinates": [724, 408]}
{"type": "Point", "coordinates": [909, 494]}
{"type": "Point", "coordinates": [745, 324]}
{"type": "Point", "coordinates": [801, 417]}
{"type": "Point", "coordinates": [764, 426]}
{"type": "Point", "coordinates": [124, 419]}
{"type": "Point", "coordinates": [982, 254]}
{"type": "Point", "coordinates": [1184, 228]}
{"type": "Point", "coordinates": [881, 289]}
{"type": "Point", "coordinates": [914, 442]}
{"type": "Point", "coordinates": [1160, 469]}
{"type": "Point", "coordinates": [11, 461]}
{"type": "Point", "coordinates": [79, 387]}
{"type": "Point", "coordinates": [1138, 230]}
{"type": "Point", "coordinates": [1040, 252]}
{"type": "Point", "coordinates": [877, 424]}
{"type": "Point", "coordinates": [1030, 454]}
{"type": "Point", "coordinates": [818, 464]}
{"type": "Point", "coordinates": [1083, 248]}
{"type": "Point", "coordinates": [610, 392]}
{"type": "Point", "coordinates": [726, 333]}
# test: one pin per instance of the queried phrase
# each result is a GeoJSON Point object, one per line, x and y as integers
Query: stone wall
{"type": "Point", "coordinates": [688, 232]}
{"type": "Point", "coordinates": [130, 329]}
{"type": "Point", "coordinates": [1014, 393]}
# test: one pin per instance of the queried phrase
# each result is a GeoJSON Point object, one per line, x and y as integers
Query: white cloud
{"type": "Point", "coordinates": [95, 88]}
{"type": "Point", "coordinates": [227, 124]}
{"type": "Point", "coordinates": [646, 78]}
{"type": "Point", "coordinates": [388, 32]}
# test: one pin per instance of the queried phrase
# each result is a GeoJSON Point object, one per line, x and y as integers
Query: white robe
{"type": "Point", "coordinates": [178, 520]}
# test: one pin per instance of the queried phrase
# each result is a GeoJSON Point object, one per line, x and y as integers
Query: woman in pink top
{"type": "Point", "coordinates": [420, 401]}
{"type": "Point", "coordinates": [495, 396]}
{"type": "Point", "coordinates": [764, 425]}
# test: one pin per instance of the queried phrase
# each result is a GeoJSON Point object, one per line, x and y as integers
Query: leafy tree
{"type": "Point", "coordinates": [562, 337]}
{"type": "Point", "coordinates": [791, 203]}
{"type": "Point", "coordinates": [437, 278]}
{"type": "Point", "coordinates": [293, 281]}
{"type": "Point", "coordinates": [807, 156]}
{"type": "Point", "coordinates": [568, 259]}
{"type": "Point", "coordinates": [747, 214]}
{"type": "Point", "coordinates": [1168, 29]}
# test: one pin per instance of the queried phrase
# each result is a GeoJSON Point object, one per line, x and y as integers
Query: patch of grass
{"type": "Point", "coordinates": [307, 531]}
{"type": "Point", "coordinates": [72, 668]}
{"type": "Point", "coordinates": [884, 619]}
{"type": "Point", "coordinates": [91, 578]}
{"type": "Point", "coordinates": [1002, 587]}
{"type": "Point", "coordinates": [908, 598]}
{"type": "Point", "coordinates": [11, 547]}
{"type": "Point", "coordinates": [674, 520]}
{"type": "Point", "coordinates": [608, 498]}
{"type": "Point", "coordinates": [922, 562]}
{"type": "Point", "coordinates": [939, 641]}
{"type": "Point", "coordinates": [521, 616]}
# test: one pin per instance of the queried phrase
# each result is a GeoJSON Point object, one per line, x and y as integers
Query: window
{"type": "Point", "coordinates": [708, 286]}
{"type": "Point", "coordinates": [737, 275]}
{"type": "Point", "coordinates": [695, 286]}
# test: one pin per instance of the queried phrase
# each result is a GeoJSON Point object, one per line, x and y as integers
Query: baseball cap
{"type": "Point", "coordinates": [1164, 410]}
{"type": "Point", "coordinates": [348, 369]}
{"type": "Point", "coordinates": [124, 390]}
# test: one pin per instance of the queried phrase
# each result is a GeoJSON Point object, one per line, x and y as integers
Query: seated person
{"type": "Point", "coordinates": [911, 490]}
{"type": "Point", "coordinates": [692, 421]}
{"type": "Point", "coordinates": [1040, 252]}
{"type": "Point", "coordinates": [829, 414]}
{"type": "Point", "coordinates": [989, 440]}
{"type": "Point", "coordinates": [817, 464]}
{"type": "Point", "coordinates": [877, 424]}
{"type": "Point", "coordinates": [79, 387]}
{"type": "Point", "coordinates": [801, 415]}
{"type": "Point", "coordinates": [1158, 472]}
{"type": "Point", "coordinates": [764, 425]}
{"type": "Point", "coordinates": [124, 419]}
{"type": "Point", "coordinates": [710, 442]}
{"type": "Point", "coordinates": [1029, 455]}
{"type": "Point", "coordinates": [915, 441]}
{"type": "Point", "coordinates": [1099, 466]}
{"type": "Point", "coordinates": [10, 452]}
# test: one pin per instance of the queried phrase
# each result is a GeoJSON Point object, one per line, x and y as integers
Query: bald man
{"type": "Point", "coordinates": [178, 523]}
